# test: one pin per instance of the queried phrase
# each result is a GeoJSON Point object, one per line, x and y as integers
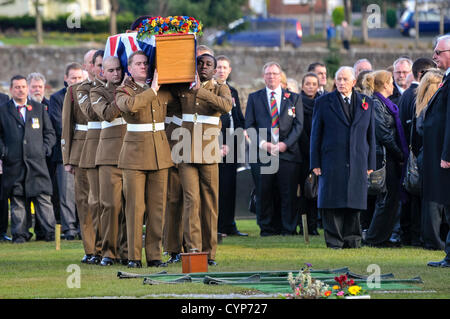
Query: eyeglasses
{"type": "Point", "coordinates": [402, 72]}
{"type": "Point", "coordinates": [438, 52]}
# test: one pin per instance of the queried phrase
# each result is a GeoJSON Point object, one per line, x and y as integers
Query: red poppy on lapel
{"type": "Point", "coordinates": [364, 104]}
{"type": "Point", "coordinates": [29, 107]}
{"type": "Point", "coordinates": [441, 84]}
{"type": "Point", "coordinates": [287, 95]}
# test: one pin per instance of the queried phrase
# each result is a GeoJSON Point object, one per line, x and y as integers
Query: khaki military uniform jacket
{"type": "Point", "coordinates": [88, 154]}
{"type": "Point", "coordinates": [74, 128]}
{"type": "Point", "coordinates": [210, 101]}
{"type": "Point", "coordinates": [113, 125]}
{"type": "Point", "coordinates": [144, 150]}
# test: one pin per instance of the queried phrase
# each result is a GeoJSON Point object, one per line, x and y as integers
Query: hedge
{"type": "Point", "coordinates": [87, 24]}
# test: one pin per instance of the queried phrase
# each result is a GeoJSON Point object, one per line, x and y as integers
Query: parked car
{"type": "Point", "coordinates": [429, 22]}
{"type": "Point", "coordinates": [261, 32]}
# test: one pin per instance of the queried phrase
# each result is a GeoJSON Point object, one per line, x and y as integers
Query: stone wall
{"type": "Point", "coordinates": [246, 62]}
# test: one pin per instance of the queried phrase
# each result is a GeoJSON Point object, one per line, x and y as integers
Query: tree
{"type": "Point", "coordinates": [113, 16]}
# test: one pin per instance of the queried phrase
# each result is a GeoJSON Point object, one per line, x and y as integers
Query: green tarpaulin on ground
{"type": "Point", "coordinates": [275, 281]}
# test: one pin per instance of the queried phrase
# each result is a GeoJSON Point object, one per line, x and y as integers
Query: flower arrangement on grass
{"type": "Point", "coordinates": [306, 287]}
{"type": "Point", "coordinates": [346, 287]}
{"type": "Point", "coordinates": [169, 25]}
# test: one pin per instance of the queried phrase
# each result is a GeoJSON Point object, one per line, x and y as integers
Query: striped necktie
{"type": "Point", "coordinates": [274, 113]}
{"type": "Point", "coordinates": [19, 109]}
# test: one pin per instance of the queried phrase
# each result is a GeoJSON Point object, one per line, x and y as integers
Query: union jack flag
{"type": "Point", "coordinates": [124, 44]}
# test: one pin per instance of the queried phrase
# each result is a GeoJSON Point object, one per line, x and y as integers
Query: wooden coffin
{"type": "Point", "coordinates": [175, 58]}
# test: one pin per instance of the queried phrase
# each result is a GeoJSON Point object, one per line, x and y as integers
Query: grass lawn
{"type": "Point", "coordinates": [37, 270]}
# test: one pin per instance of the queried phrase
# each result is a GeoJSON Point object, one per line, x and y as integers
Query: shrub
{"type": "Point", "coordinates": [338, 15]}
{"type": "Point", "coordinates": [391, 18]}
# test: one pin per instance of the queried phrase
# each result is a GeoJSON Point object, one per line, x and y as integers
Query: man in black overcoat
{"type": "Point", "coordinates": [3, 202]}
{"type": "Point", "coordinates": [231, 121]}
{"type": "Point", "coordinates": [274, 123]}
{"type": "Point", "coordinates": [26, 138]}
{"type": "Point", "coordinates": [343, 154]}
{"type": "Point", "coordinates": [410, 218]}
{"type": "Point", "coordinates": [436, 144]}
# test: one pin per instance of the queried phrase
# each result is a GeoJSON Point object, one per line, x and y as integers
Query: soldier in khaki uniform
{"type": "Point", "coordinates": [173, 220]}
{"type": "Point", "coordinates": [112, 217]}
{"type": "Point", "coordinates": [202, 107]}
{"type": "Point", "coordinates": [74, 128]}
{"type": "Point", "coordinates": [87, 159]}
{"type": "Point", "coordinates": [145, 158]}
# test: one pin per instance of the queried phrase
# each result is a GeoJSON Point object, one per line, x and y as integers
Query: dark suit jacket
{"type": "Point", "coordinates": [3, 98]}
{"type": "Point", "coordinates": [24, 147]}
{"type": "Point", "coordinates": [343, 150]}
{"type": "Point", "coordinates": [257, 116]}
{"type": "Point", "coordinates": [436, 146]}
{"type": "Point", "coordinates": [407, 108]}
{"type": "Point", "coordinates": [55, 113]}
{"type": "Point", "coordinates": [395, 97]}
{"type": "Point", "coordinates": [238, 121]}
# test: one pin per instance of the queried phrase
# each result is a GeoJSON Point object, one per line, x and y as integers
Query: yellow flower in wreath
{"type": "Point", "coordinates": [175, 22]}
{"type": "Point", "coordinates": [354, 290]}
{"type": "Point", "coordinates": [154, 23]}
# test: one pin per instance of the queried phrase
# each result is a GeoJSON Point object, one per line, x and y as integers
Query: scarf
{"type": "Point", "coordinates": [308, 103]}
{"type": "Point", "coordinates": [401, 133]}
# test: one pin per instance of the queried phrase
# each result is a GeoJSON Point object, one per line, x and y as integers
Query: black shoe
{"type": "Point", "coordinates": [69, 237]}
{"type": "Point", "coordinates": [238, 233]}
{"type": "Point", "coordinates": [86, 259]}
{"type": "Point", "coordinates": [106, 261]}
{"type": "Point", "coordinates": [134, 264]}
{"type": "Point", "coordinates": [121, 261]}
{"type": "Point", "coordinates": [4, 237]}
{"type": "Point", "coordinates": [442, 264]}
{"type": "Point", "coordinates": [94, 260]}
{"type": "Point", "coordinates": [156, 263]}
{"type": "Point", "coordinates": [174, 258]}
{"type": "Point", "coordinates": [50, 238]}
{"type": "Point", "coordinates": [211, 262]}
{"type": "Point", "coordinates": [19, 240]}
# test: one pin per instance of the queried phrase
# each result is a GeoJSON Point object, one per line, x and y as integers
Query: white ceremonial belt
{"type": "Point", "coordinates": [205, 119]}
{"type": "Point", "coordinates": [81, 127]}
{"type": "Point", "coordinates": [168, 120]}
{"type": "Point", "coordinates": [115, 122]}
{"type": "Point", "coordinates": [177, 120]}
{"type": "Point", "coordinates": [148, 127]}
{"type": "Point", "coordinates": [94, 125]}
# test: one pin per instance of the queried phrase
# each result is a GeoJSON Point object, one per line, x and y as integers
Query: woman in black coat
{"type": "Point", "coordinates": [434, 229]}
{"type": "Point", "coordinates": [310, 86]}
{"type": "Point", "coordinates": [392, 145]}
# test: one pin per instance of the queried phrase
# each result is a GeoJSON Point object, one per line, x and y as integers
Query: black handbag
{"type": "Point", "coordinates": [412, 181]}
{"type": "Point", "coordinates": [311, 186]}
{"type": "Point", "coordinates": [377, 179]}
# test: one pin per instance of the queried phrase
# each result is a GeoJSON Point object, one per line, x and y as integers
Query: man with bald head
{"type": "Point", "coordinates": [361, 65]}
{"type": "Point", "coordinates": [436, 145]}
{"type": "Point", "coordinates": [113, 129]}
{"type": "Point", "coordinates": [343, 154]}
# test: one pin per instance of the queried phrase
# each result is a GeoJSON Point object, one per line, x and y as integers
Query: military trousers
{"type": "Point", "coordinates": [173, 220]}
{"type": "Point", "coordinates": [200, 184]}
{"type": "Point", "coordinates": [145, 194]}
{"type": "Point", "coordinates": [112, 218]}
{"type": "Point", "coordinates": [95, 207]}
{"type": "Point", "coordinates": [85, 215]}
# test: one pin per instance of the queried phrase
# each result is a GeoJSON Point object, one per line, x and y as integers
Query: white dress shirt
{"type": "Point", "coordinates": [277, 96]}
{"type": "Point", "coordinates": [23, 110]}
